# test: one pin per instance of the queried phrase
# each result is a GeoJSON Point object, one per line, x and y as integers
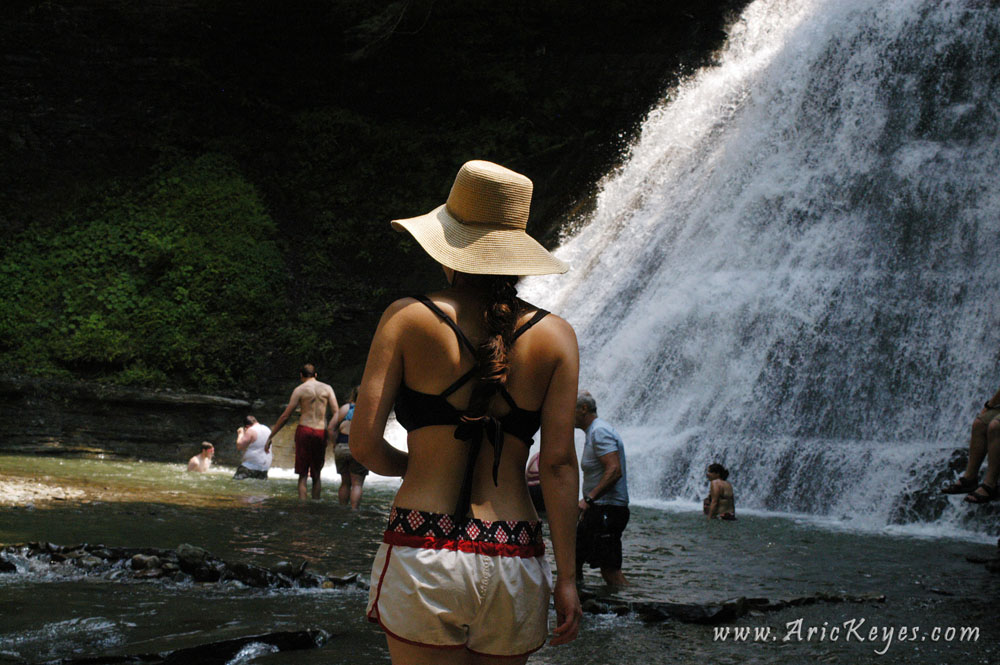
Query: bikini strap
{"type": "Point", "coordinates": [539, 315]}
{"type": "Point", "coordinates": [460, 381]}
{"type": "Point", "coordinates": [507, 397]}
{"type": "Point", "coordinates": [447, 319]}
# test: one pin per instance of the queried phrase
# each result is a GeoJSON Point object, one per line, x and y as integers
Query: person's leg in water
{"type": "Point", "coordinates": [403, 653]}
{"type": "Point", "coordinates": [992, 452]}
{"type": "Point", "coordinates": [346, 488]}
{"type": "Point", "coordinates": [614, 578]}
{"type": "Point", "coordinates": [317, 485]}
{"type": "Point", "coordinates": [357, 484]}
{"type": "Point", "coordinates": [304, 486]}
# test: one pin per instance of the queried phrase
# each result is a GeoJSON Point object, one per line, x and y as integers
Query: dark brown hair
{"type": "Point", "coordinates": [500, 320]}
{"type": "Point", "coordinates": [719, 469]}
{"type": "Point", "coordinates": [308, 370]}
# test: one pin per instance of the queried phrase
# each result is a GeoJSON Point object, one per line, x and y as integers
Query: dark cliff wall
{"type": "Point", "coordinates": [324, 120]}
{"type": "Point", "coordinates": [57, 418]}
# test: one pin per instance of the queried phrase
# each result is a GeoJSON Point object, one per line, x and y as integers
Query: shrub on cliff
{"type": "Point", "coordinates": [175, 280]}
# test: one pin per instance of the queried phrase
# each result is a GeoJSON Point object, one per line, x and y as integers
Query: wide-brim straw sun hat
{"type": "Point", "coordinates": [481, 228]}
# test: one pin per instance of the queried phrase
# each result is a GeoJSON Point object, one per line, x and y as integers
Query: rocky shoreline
{"type": "Point", "coordinates": [186, 563]}
{"type": "Point", "coordinates": [23, 492]}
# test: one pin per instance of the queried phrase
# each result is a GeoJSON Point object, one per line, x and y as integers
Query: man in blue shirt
{"type": "Point", "coordinates": [604, 506]}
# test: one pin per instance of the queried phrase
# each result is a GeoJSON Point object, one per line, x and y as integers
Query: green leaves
{"type": "Point", "coordinates": [162, 281]}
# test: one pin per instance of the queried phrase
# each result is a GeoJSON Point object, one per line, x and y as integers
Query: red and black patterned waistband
{"type": "Point", "coordinates": [418, 528]}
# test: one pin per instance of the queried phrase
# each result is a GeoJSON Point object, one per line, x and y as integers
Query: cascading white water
{"type": "Point", "coordinates": [796, 270]}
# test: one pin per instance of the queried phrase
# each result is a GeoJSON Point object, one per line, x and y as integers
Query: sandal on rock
{"type": "Point", "coordinates": [975, 497]}
{"type": "Point", "coordinates": [963, 486]}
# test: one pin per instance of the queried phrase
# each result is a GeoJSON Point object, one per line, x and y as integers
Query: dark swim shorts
{"type": "Point", "coordinates": [243, 473]}
{"type": "Point", "coordinates": [599, 537]}
{"type": "Point", "coordinates": [345, 461]}
{"type": "Point", "coordinates": [310, 450]}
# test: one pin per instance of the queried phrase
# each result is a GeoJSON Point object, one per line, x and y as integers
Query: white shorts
{"type": "Point", "coordinates": [483, 586]}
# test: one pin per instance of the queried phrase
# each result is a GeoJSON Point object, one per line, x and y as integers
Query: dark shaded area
{"type": "Point", "coordinates": [44, 416]}
{"type": "Point", "coordinates": [328, 118]}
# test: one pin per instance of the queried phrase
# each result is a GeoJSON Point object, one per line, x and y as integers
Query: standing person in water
{"type": "Point", "coordinates": [352, 474]}
{"type": "Point", "coordinates": [251, 440]}
{"type": "Point", "coordinates": [720, 502]}
{"type": "Point", "coordinates": [472, 372]}
{"type": "Point", "coordinates": [203, 460]}
{"type": "Point", "coordinates": [604, 511]}
{"type": "Point", "coordinates": [313, 398]}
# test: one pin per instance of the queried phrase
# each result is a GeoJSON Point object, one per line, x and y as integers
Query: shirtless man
{"type": "Point", "coordinates": [202, 460]}
{"type": "Point", "coordinates": [313, 398]}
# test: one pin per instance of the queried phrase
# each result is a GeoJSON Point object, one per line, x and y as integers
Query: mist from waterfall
{"type": "Point", "coordinates": [795, 270]}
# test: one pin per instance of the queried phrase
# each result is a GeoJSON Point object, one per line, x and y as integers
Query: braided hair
{"type": "Point", "coordinates": [500, 320]}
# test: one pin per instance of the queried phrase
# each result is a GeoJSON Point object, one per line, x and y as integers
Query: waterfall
{"type": "Point", "coordinates": [795, 271]}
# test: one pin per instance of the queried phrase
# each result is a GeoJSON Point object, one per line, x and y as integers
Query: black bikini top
{"type": "Point", "coordinates": [415, 409]}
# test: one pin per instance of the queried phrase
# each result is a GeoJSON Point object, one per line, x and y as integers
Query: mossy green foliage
{"type": "Point", "coordinates": [180, 277]}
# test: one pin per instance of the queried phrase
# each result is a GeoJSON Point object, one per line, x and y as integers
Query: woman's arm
{"type": "Point", "coordinates": [383, 373]}
{"type": "Point", "coordinates": [560, 479]}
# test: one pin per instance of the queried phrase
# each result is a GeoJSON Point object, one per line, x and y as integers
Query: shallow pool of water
{"type": "Point", "coordinates": [675, 556]}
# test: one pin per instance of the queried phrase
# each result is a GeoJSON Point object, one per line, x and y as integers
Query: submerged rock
{"type": "Point", "coordinates": [190, 556]}
{"type": "Point", "coordinates": [216, 653]}
{"type": "Point", "coordinates": [149, 574]}
{"type": "Point", "coordinates": [249, 574]}
{"type": "Point", "coordinates": [145, 561]}
{"type": "Point", "coordinates": [709, 613]}
{"type": "Point", "coordinates": [284, 568]}
{"type": "Point", "coordinates": [187, 562]}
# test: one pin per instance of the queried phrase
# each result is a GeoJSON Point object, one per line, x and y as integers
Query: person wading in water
{"type": "Point", "coordinates": [472, 372]}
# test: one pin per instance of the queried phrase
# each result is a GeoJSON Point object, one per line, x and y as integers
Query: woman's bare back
{"type": "Point", "coordinates": [433, 358]}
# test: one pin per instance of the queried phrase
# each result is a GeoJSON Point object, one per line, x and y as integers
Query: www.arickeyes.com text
{"type": "Point", "coordinates": [852, 630]}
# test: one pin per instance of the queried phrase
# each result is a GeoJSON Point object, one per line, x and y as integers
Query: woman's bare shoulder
{"type": "Point", "coordinates": [553, 324]}
{"type": "Point", "coordinates": [405, 308]}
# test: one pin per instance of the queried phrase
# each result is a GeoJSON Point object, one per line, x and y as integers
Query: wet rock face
{"type": "Point", "coordinates": [186, 563]}
{"type": "Point", "coordinates": [142, 562]}
{"type": "Point", "coordinates": [239, 650]}
{"type": "Point", "coordinates": [710, 613]}
{"type": "Point", "coordinates": [50, 417]}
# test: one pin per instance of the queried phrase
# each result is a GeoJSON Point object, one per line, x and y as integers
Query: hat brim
{"type": "Point", "coordinates": [479, 249]}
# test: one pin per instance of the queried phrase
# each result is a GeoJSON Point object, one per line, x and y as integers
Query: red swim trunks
{"type": "Point", "coordinates": [310, 450]}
